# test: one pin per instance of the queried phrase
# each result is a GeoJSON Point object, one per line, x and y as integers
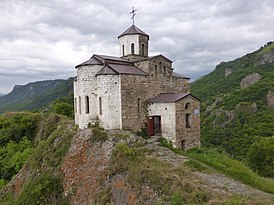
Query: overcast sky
{"type": "Point", "coordinates": [45, 39]}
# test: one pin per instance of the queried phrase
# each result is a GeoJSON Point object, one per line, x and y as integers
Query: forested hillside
{"type": "Point", "coordinates": [238, 108]}
{"type": "Point", "coordinates": [35, 96]}
{"type": "Point", "coordinates": [45, 160]}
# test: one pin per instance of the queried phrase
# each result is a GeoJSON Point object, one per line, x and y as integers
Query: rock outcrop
{"type": "Point", "coordinates": [250, 80]}
{"type": "Point", "coordinates": [214, 104]}
{"type": "Point", "coordinates": [266, 58]}
{"type": "Point", "coordinates": [270, 98]}
{"type": "Point", "coordinates": [228, 71]}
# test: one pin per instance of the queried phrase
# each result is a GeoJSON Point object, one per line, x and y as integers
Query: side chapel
{"type": "Point", "coordinates": [136, 91]}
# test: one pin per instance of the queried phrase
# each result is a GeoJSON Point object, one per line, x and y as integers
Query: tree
{"type": "Point", "coordinates": [261, 156]}
{"type": "Point", "coordinates": [63, 108]}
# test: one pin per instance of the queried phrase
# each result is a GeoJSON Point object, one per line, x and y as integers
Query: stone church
{"type": "Point", "coordinates": [136, 91]}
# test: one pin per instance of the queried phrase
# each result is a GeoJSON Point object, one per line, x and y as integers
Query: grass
{"type": "Point", "coordinates": [174, 184]}
{"type": "Point", "coordinates": [45, 189]}
{"type": "Point", "coordinates": [99, 134]}
{"type": "Point", "coordinates": [232, 168]}
{"type": "Point", "coordinates": [164, 143]}
{"type": "Point", "coordinates": [224, 164]}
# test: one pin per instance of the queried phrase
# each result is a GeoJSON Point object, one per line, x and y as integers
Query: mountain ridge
{"type": "Point", "coordinates": [35, 95]}
{"type": "Point", "coordinates": [237, 103]}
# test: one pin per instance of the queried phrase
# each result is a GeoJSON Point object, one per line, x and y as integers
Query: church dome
{"type": "Point", "coordinates": [133, 30]}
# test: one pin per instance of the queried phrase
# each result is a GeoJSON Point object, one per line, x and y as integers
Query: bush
{"type": "Point", "coordinates": [99, 134]}
{"type": "Point", "coordinates": [261, 156]}
{"type": "Point", "coordinates": [46, 189]}
{"type": "Point", "coordinates": [142, 133]}
{"type": "Point", "coordinates": [63, 108]}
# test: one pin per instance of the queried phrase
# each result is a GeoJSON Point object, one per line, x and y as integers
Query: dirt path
{"type": "Point", "coordinates": [213, 180]}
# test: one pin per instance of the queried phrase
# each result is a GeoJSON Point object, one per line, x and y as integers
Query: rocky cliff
{"type": "Point", "coordinates": [95, 166]}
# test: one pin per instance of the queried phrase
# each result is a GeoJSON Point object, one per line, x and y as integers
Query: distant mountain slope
{"type": "Point", "coordinates": [238, 102]}
{"type": "Point", "coordinates": [35, 95]}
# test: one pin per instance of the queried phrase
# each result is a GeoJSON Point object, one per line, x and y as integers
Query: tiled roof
{"type": "Point", "coordinates": [92, 61]}
{"type": "Point", "coordinates": [133, 30]}
{"type": "Point", "coordinates": [113, 65]}
{"type": "Point", "coordinates": [106, 70]}
{"type": "Point", "coordinates": [111, 58]}
{"type": "Point", "coordinates": [112, 69]}
{"type": "Point", "coordinates": [169, 97]}
{"type": "Point", "coordinates": [101, 59]}
{"type": "Point", "coordinates": [178, 75]}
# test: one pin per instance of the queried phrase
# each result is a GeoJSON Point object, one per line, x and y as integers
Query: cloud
{"type": "Point", "coordinates": [46, 39]}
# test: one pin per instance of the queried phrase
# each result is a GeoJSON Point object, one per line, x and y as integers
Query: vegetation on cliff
{"type": "Point", "coordinates": [113, 167]}
{"type": "Point", "coordinates": [35, 145]}
{"type": "Point", "coordinates": [233, 116]}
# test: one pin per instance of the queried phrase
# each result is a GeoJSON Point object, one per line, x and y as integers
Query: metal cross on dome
{"type": "Point", "coordinates": [133, 12]}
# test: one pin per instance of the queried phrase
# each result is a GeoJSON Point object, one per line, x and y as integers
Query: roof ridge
{"type": "Point", "coordinates": [112, 68]}
{"type": "Point", "coordinates": [133, 29]}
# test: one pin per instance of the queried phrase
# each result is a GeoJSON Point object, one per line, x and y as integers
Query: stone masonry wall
{"type": "Point", "coordinates": [191, 135]}
{"type": "Point", "coordinates": [134, 87]}
{"type": "Point", "coordinates": [127, 41]}
{"type": "Point", "coordinates": [167, 112]}
{"type": "Point", "coordinates": [134, 107]}
{"type": "Point", "coordinates": [86, 85]}
{"type": "Point", "coordinates": [110, 94]}
{"type": "Point", "coordinates": [143, 40]}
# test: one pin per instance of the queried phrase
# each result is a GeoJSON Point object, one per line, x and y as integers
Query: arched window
{"type": "Point", "coordinates": [75, 105]}
{"type": "Point", "coordinates": [155, 70]}
{"type": "Point", "coordinates": [123, 49]}
{"type": "Point", "coordinates": [187, 106]}
{"type": "Point", "coordinates": [87, 104]}
{"type": "Point", "coordinates": [80, 111]}
{"type": "Point", "coordinates": [188, 120]}
{"type": "Point", "coordinates": [132, 48]}
{"type": "Point", "coordinates": [139, 105]}
{"type": "Point", "coordinates": [143, 50]}
{"type": "Point", "coordinates": [164, 70]}
{"type": "Point", "coordinates": [100, 106]}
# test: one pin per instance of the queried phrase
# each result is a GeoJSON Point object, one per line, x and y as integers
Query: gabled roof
{"type": "Point", "coordinates": [132, 30]}
{"type": "Point", "coordinates": [178, 75]}
{"type": "Point", "coordinates": [115, 69]}
{"type": "Point", "coordinates": [169, 97]}
{"type": "Point", "coordinates": [102, 59]}
{"type": "Point", "coordinates": [113, 65]}
{"type": "Point", "coordinates": [92, 61]}
{"type": "Point", "coordinates": [112, 58]}
{"type": "Point", "coordinates": [161, 56]}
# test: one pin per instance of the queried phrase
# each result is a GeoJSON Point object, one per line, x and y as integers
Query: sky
{"type": "Point", "coordinates": [46, 39]}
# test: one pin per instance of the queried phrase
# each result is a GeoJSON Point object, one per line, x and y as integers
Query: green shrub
{"type": "Point", "coordinates": [142, 133]}
{"type": "Point", "coordinates": [99, 134]}
{"type": "Point", "coordinates": [46, 189]}
{"type": "Point", "coordinates": [261, 156]}
{"type": "Point", "coordinates": [63, 108]}
{"type": "Point", "coordinates": [177, 199]}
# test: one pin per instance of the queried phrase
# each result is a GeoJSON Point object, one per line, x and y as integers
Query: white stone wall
{"type": "Point", "coordinates": [127, 41]}
{"type": "Point", "coordinates": [109, 89]}
{"type": "Point", "coordinates": [86, 85]}
{"type": "Point", "coordinates": [167, 111]}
